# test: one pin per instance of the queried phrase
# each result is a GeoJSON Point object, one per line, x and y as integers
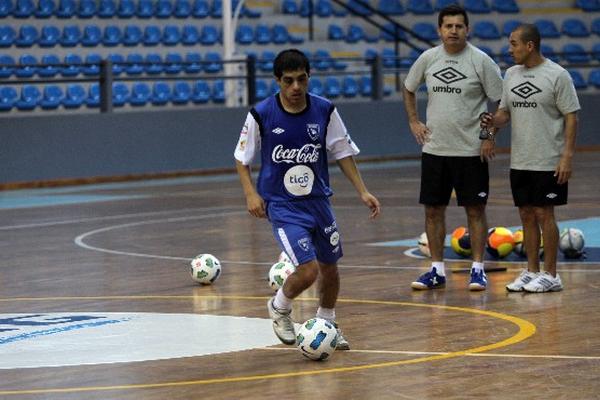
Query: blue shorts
{"type": "Point", "coordinates": [306, 230]}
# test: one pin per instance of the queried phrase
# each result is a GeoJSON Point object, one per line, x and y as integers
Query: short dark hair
{"type": "Point", "coordinates": [290, 60]}
{"type": "Point", "coordinates": [530, 33]}
{"type": "Point", "coordinates": [453, 9]}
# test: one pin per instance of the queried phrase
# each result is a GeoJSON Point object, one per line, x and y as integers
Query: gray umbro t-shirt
{"type": "Point", "coordinates": [458, 86]}
{"type": "Point", "coordinates": [537, 99]}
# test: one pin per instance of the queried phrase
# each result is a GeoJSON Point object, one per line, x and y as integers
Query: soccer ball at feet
{"type": "Point", "coordinates": [279, 273]}
{"type": "Point", "coordinates": [571, 243]}
{"type": "Point", "coordinates": [205, 269]}
{"type": "Point", "coordinates": [316, 339]}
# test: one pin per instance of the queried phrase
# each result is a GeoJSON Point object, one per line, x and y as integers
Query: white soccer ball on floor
{"type": "Point", "coordinates": [206, 268]}
{"type": "Point", "coordinates": [423, 244]}
{"type": "Point", "coordinates": [316, 339]}
{"type": "Point", "coordinates": [283, 257]}
{"type": "Point", "coordinates": [279, 273]}
{"type": "Point", "coordinates": [571, 242]}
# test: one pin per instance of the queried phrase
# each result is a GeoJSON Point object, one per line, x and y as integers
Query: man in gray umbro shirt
{"type": "Point", "coordinates": [460, 80]}
{"type": "Point", "coordinates": [540, 100]}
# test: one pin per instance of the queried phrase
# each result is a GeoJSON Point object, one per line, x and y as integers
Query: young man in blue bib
{"type": "Point", "coordinates": [295, 132]}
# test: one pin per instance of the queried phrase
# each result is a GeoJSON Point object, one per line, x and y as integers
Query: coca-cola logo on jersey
{"type": "Point", "coordinates": [309, 153]}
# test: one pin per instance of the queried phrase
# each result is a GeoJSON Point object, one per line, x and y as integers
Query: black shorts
{"type": "Point", "coordinates": [537, 188]}
{"type": "Point", "coordinates": [468, 176]}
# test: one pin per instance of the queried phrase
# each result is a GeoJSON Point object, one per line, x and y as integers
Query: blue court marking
{"type": "Point", "coordinates": [28, 201]}
{"type": "Point", "coordinates": [589, 226]}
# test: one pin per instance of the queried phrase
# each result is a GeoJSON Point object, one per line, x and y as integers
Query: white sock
{"type": "Point", "coordinates": [281, 302]}
{"type": "Point", "coordinates": [477, 266]}
{"type": "Point", "coordinates": [439, 267]}
{"type": "Point", "coordinates": [326, 313]}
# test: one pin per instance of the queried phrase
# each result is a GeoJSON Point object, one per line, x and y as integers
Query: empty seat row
{"type": "Point", "coordinates": [111, 35]}
{"type": "Point", "coordinates": [120, 9]}
{"type": "Point", "coordinates": [49, 97]}
{"type": "Point", "coordinates": [263, 34]}
{"type": "Point", "coordinates": [325, 8]}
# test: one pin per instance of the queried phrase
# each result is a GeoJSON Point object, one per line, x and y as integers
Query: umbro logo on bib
{"type": "Point", "coordinates": [551, 195]}
{"type": "Point", "coordinates": [278, 130]}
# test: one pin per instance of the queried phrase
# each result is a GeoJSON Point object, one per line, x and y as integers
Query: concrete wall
{"type": "Point", "coordinates": [83, 146]}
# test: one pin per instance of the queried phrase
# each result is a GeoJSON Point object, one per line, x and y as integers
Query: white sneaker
{"type": "Point", "coordinates": [523, 279]}
{"type": "Point", "coordinates": [283, 326]}
{"type": "Point", "coordinates": [544, 282]}
{"type": "Point", "coordinates": [342, 343]}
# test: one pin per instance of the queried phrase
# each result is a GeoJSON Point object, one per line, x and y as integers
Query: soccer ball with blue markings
{"type": "Point", "coordinates": [316, 339]}
{"type": "Point", "coordinates": [205, 269]}
{"type": "Point", "coordinates": [279, 273]}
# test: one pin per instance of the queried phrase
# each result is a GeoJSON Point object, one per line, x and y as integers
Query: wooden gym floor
{"type": "Point", "coordinates": [125, 248]}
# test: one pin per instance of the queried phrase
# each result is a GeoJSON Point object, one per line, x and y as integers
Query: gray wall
{"type": "Point", "coordinates": [81, 146]}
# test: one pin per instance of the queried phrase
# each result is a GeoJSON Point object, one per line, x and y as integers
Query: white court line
{"type": "Point", "coordinates": [434, 353]}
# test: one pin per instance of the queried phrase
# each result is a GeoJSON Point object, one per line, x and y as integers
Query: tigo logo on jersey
{"type": "Point", "coordinates": [299, 180]}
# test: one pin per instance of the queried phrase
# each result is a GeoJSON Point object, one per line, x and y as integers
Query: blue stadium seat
{"type": "Point", "coordinates": [154, 64]}
{"type": "Point", "coordinates": [547, 28]}
{"type": "Point", "coordinates": [281, 35]}
{"type": "Point", "coordinates": [71, 35]}
{"type": "Point", "coordinates": [477, 6]}
{"type": "Point", "coordinates": [189, 35]}
{"type": "Point", "coordinates": [509, 26]}
{"type": "Point", "coordinates": [132, 35]}
{"type": "Point", "coordinates": [322, 60]}
{"type": "Point", "coordinates": [262, 90]}
{"type": "Point", "coordinates": [182, 93]}
{"type": "Point", "coordinates": [86, 9]}
{"type": "Point", "coordinates": [72, 65]}
{"type": "Point", "coordinates": [49, 36]}
{"type": "Point", "coordinates": [596, 26]}
{"type": "Point", "coordinates": [161, 93]}
{"type": "Point", "coordinates": [145, 9]}
{"type": "Point", "coordinates": [45, 8]}
{"type": "Point", "coordinates": [120, 94]}
{"type": "Point", "coordinates": [488, 51]}
{"type": "Point", "coordinates": [247, 11]}
{"type": "Point", "coordinates": [439, 4]}
{"type": "Point", "coordinates": [6, 8]}
{"type": "Point", "coordinates": [201, 92]}
{"type": "Point", "coordinates": [588, 5]}
{"type": "Point", "coordinates": [74, 96]}
{"type": "Point", "coordinates": [265, 62]}
{"type": "Point", "coordinates": [171, 35]}
{"type": "Point", "coordinates": [140, 94]}
{"type": "Point", "coordinates": [152, 35]}
{"type": "Point", "coordinates": [30, 97]}
{"type": "Point", "coordinates": [174, 63]}
{"type": "Point", "coordinates": [8, 98]}
{"type": "Point", "coordinates": [574, 27]}
{"type": "Point", "coordinates": [575, 53]}
{"type": "Point", "coordinates": [391, 7]}
{"type": "Point", "coordinates": [390, 32]}
{"type": "Point", "coordinates": [126, 9]}
{"type": "Point", "coordinates": [93, 98]}
{"type": "Point", "coordinates": [66, 9]}
{"type": "Point", "coordinates": [335, 32]}
{"type": "Point", "coordinates": [290, 7]}
{"type": "Point", "coordinates": [324, 9]}
{"type": "Point", "coordinates": [419, 7]}
{"type": "Point", "coordinates": [52, 97]}
{"type": "Point", "coordinates": [209, 35]}
{"type": "Point", "coordinates": [356, 33]}
{"type": "Point", "coordinates": [578, 80]}
{"type": "Point", "coordinates": [183, 9]}
{"type": "Point", "coordinates": [333, 89]}
{"type": "Point", "coordinates": [27, 66]}
{"type": "Point", "coordinates": [7, 36]}
{"type": "Point", "coordinates": [486, 30]}
{"type": "Point", "coordinates": [164, 9]}
{"type": "Point", "coordinates": [594, 78]}
{"type": "Point", "coordinates": [408, 61]}
{"type": "Point", "coordinates": [505, 56]}
{"type": "Point", "coordinates": [91, 65]}
{"type": "Point", "coordinates": [7, 65]}
{"type": "Point", "coordinates": [244, 34]}
{"type": "Point", "coordinates": [213, 61]}
{"type": "Point", "coordinates": [262, 34]}
{"type": "Point", "coordinates": [193, 63]}
{"type": "Point", "coordinates": [358, 8]}
{"type": "Point", "coordinates": [28, 36]}
{"type": "Point", "coordinates": [350, 86]}
{"type": "Point", "coordinates": [596, 51]}
{"type": "Point", "coordinates": [426, 30]}
{"type": "Point", "coordinates": [107, 9]}
{"type": "Point", "coordinates": [218, 91]}
{"type": "Point", "coordinates": [117, 63]}
{"type": "Point", "coordinates": [112, 36]}
{"type": "Point", "coordinates": [388, 58]}
{"type": "Point", "coordinates": [92, 36]}
{"type": "Point", "coordinates": [135, 64]}
{"type": "Point", "coordinates": [50, 68]}
{"type": "Point", "coordinates": [24, 9]}
{"type": "Point", "coordinates": [200, 9]}
{"type": "Point", "coordinates": [549, 52]}
{"type": "Point", "coordinates": [315, 86]}
{"type": "Point", "coordinates": [338, 64]}
{"type": "Point", "coordinates": [505, 6]}
{"type": "Point", "coordinates": [216, 11]}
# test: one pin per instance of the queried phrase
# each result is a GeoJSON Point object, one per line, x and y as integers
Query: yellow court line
{"type": "Point", "coordinates": [526, 329]}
